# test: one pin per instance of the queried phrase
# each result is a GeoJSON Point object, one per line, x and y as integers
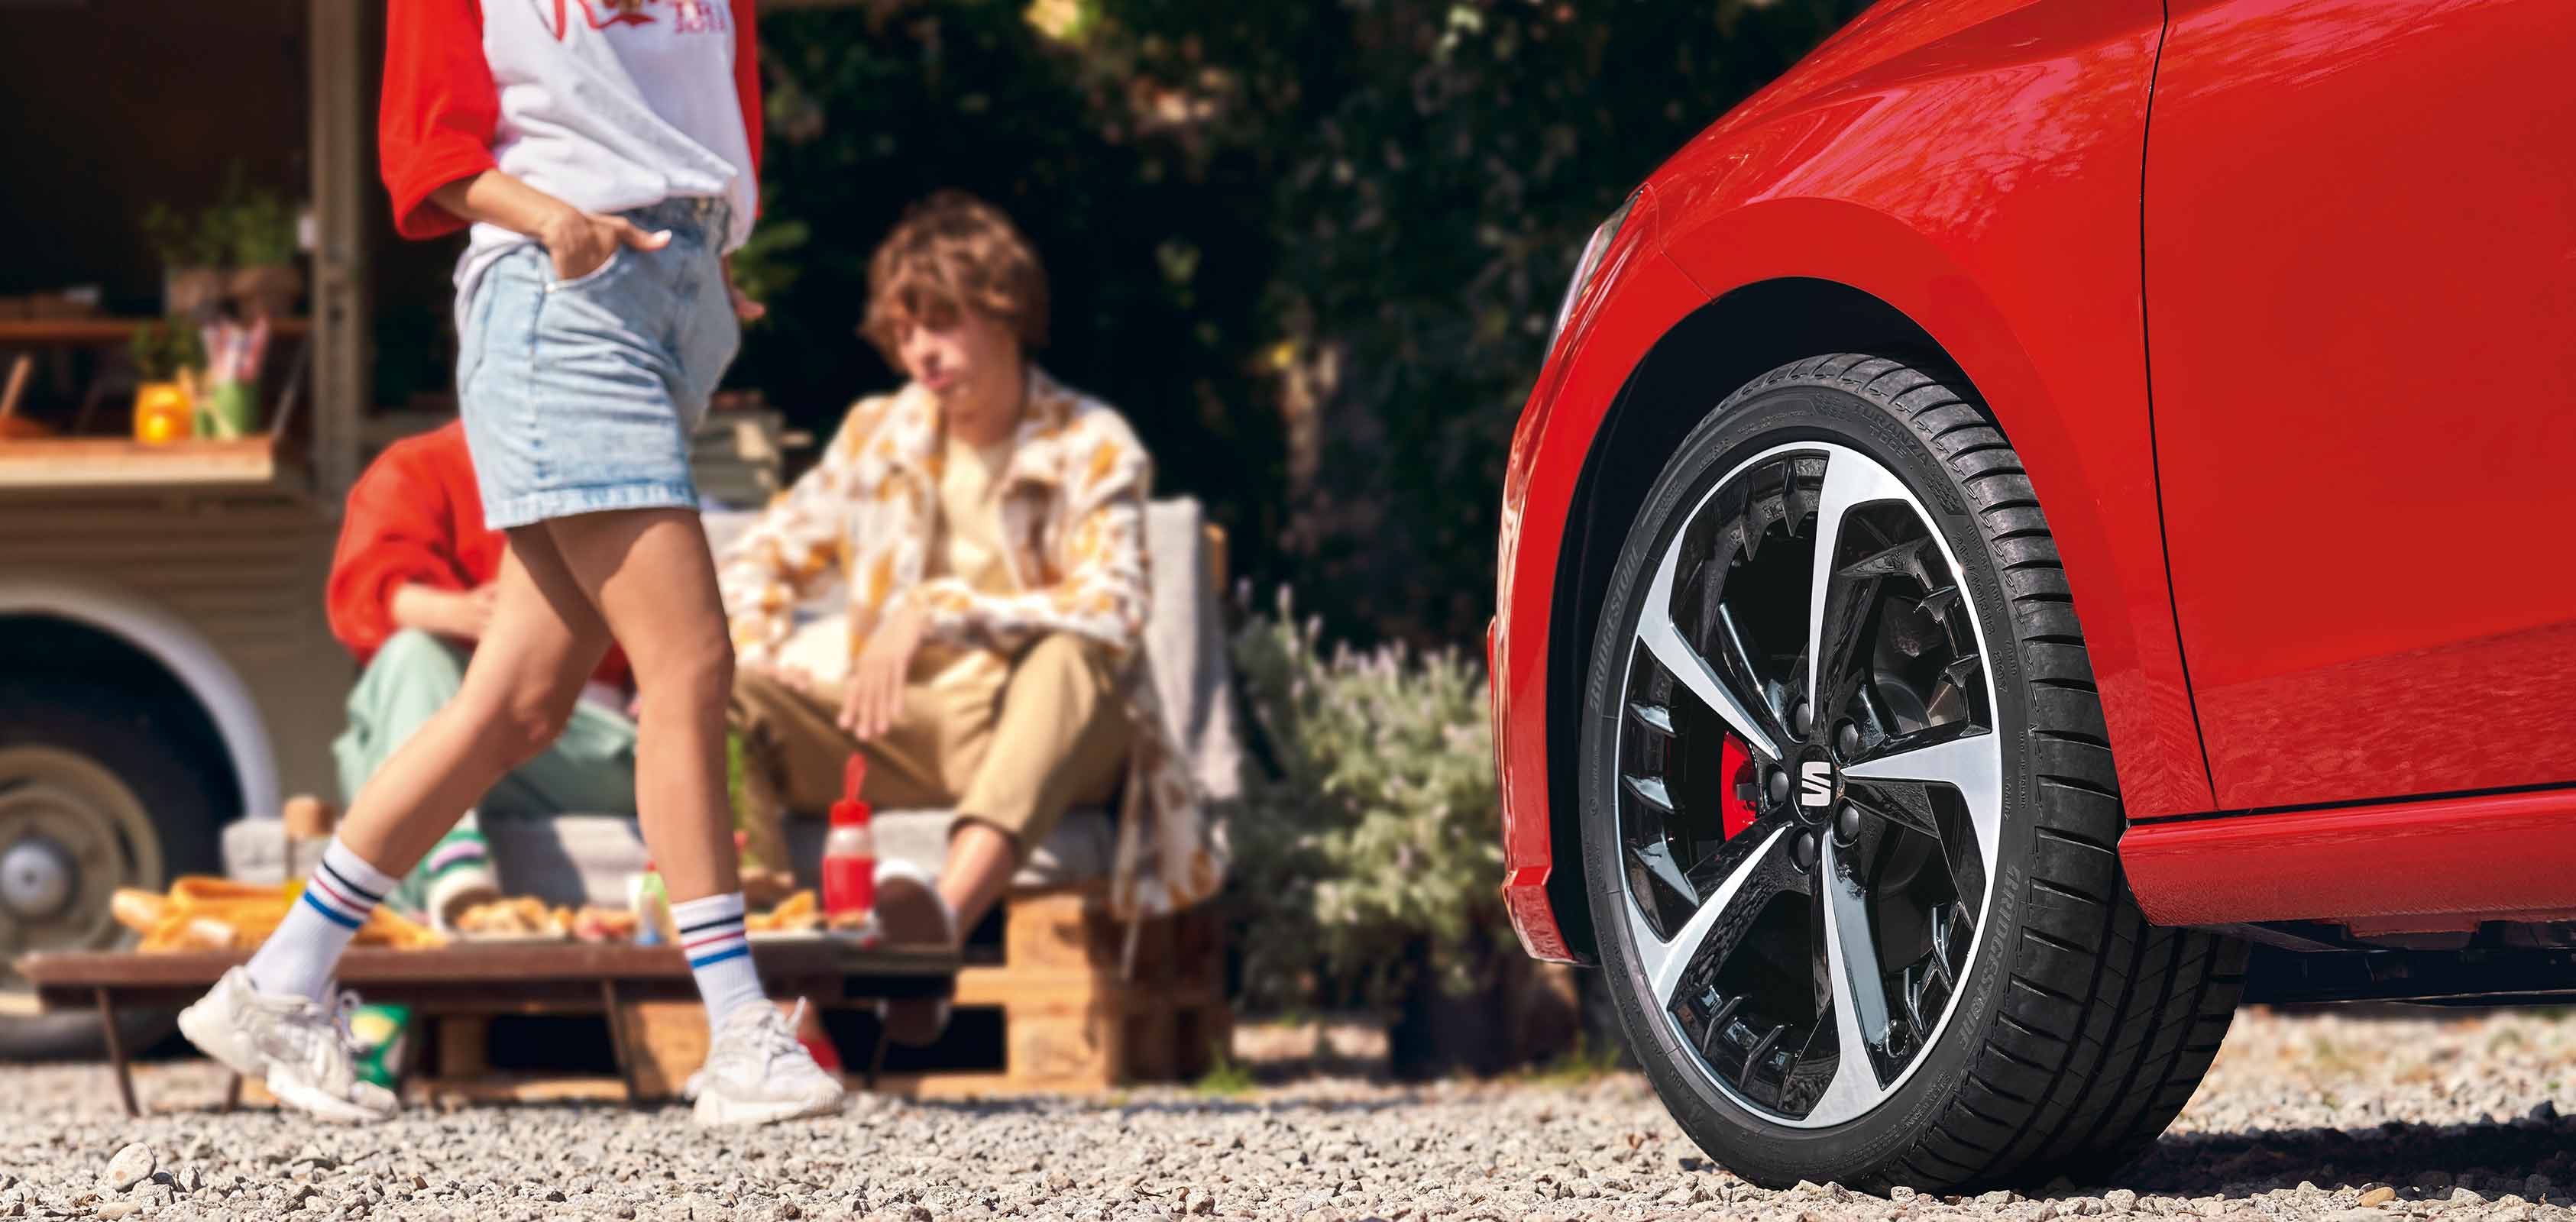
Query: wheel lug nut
{"type": "Point", "coordinates": [1801, 719]}
{"type": "Point", "coordinates": [1802, 851]}
{"type": "Point", "coordinates": [1779, 785]}
{"type": "Point", "coordinates": [1847, 823]}
{"type": "Point", "coordinates": [1847, 740]}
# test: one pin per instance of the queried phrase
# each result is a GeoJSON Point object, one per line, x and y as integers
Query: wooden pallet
{"type": "Point", "coordinates": [1056, 986]}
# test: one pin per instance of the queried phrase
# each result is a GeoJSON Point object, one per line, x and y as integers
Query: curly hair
{"type": "Point", "coordinates": [952, 252]}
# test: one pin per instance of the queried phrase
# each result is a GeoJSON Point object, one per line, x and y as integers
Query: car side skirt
{"type": "Point", "coordinates": [2434, 865]}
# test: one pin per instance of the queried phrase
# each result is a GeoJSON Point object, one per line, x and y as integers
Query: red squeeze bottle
{"type": "Point", "coordinates": [850, 849]}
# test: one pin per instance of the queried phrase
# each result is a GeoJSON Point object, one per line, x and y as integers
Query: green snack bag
{"type": "Point", "coordinates": [379, 1032]}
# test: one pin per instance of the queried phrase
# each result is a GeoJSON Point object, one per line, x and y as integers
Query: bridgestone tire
{"type": "Point", "coordinates": [2079, 1030]}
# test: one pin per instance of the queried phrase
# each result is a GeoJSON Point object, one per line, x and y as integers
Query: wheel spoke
{"type": "Point", "coordinates": [1860, 996]}
{"type": "Point", "coordinates": [1752, 866]}
{"type": "Point", "coordinates": [1967, 759]}
{"type": "Point", "coordinates": [1896, 805]}
{"type": "Point", "coordinates": [1850, 482]}
{"type": "Point", "coordinates": [1663, 639]}
{"type": "Point", "coordinates": [1734, 655]}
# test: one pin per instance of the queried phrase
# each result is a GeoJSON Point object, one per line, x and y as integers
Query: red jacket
{"type": "Point", "coordinates": [415, 516]}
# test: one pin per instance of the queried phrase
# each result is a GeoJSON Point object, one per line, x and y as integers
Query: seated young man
{"type": "Point", "coordinates": [410, 592]}
{"type": "Point", "coordinates": [989, 523]}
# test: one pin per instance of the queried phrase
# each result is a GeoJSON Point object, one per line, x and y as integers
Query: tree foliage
{"type": "Point", "coordinates": [1312, 249]}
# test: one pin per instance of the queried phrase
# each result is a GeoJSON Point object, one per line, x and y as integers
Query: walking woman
{"type": "Point", "coordinates": [605, 155]}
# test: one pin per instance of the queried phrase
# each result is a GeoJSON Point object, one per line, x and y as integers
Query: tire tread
{"type": "Point", "coordinates": [2117, 1019]}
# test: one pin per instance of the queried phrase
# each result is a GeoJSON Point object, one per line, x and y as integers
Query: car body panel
{"type": "Point", "coordinates": [1828, 174]}
{"type": "Point", "coordinates": [2360, 269]}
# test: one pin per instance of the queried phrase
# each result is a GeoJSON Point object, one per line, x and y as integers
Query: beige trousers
{"type": "Point", "coordinates": [1014, 749]}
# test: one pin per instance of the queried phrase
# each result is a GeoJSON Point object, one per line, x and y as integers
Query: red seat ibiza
{"type": "Point", "coordinates": [2048, 521]}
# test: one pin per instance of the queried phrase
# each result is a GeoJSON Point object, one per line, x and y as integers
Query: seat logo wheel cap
{"type": "Point", "coordinates": [1815, 783]}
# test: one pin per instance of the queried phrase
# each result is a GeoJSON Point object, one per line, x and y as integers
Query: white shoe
{"type": "Point", "coordinates": [290, 1043]}
{"type": "Point", "coordinates": [757, 1072]}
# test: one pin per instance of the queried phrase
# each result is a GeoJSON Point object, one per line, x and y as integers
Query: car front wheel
{"type": "Point", "coordinates": [1849, 817]}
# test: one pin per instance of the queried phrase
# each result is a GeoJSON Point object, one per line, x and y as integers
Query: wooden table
{"type": "Point", "coordinates": [76, 332]}
{"type": "Point", "coordinates": [490, 979]}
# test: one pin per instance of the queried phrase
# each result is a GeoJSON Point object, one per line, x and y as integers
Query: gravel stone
{"type": "Point", "coordinates": [129, 1166]}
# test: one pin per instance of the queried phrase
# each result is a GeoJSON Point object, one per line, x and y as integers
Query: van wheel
{"type": "Point", "coordinates": [92, 798]}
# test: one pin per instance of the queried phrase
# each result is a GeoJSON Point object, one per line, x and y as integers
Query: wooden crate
{"type": "Point", "coordinates": [1071, 1016]}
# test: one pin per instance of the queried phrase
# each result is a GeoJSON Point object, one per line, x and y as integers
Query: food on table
{"type": "Point", "coordinates": [596, 924]}
{"type": "Point", "coordinates": [136, 908]}
{"type": "Point", "coordinates": [798, 913]}
{"type": "Point", "coordinates": [202, 913]}
{"type": "Point", "coordinates": [517, 917]}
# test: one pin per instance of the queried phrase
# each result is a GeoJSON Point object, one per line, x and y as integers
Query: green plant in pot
{"type": "Point", "coordinates": [258, 229]}
{"type": "Point", "coordinates": [1367, 857]}
{"type": "Point", "coordinates": [192, 256]}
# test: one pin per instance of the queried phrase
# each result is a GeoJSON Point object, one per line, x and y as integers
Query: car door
{"type": "Point", "coordinates": [2360, 269]}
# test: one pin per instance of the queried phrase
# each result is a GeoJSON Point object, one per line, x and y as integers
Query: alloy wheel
{"type": "Point", "coordinates": [1809, 797]}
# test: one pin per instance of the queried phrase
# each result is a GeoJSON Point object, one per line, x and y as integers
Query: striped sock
{"type": "Point", "coordinates": [298, 959]}
{"type": "Point", "coordinates": [711, 936]}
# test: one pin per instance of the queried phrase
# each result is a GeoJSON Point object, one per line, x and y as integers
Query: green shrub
{"type": "Point", "coordinates": [1366, 848]}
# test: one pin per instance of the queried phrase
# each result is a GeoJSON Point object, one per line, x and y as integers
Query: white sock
{"type": "Point", "coordinates": [711, 936]}
{"type": "Point", "coordinates": [298, 959]}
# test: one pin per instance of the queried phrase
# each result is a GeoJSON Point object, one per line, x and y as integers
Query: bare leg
{"type": "Point", "coordinates": [649, 573]}
{"type": "Point", "coordinates": [981, 860]}
{"type": "Point", "coordinates": [518, 691]}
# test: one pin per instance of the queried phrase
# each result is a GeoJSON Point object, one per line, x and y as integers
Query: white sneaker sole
{"type": "Point", "coordinates": [319, 1104]}
{"type": "Point", "coordinates": [219, 1040]}
{"type": "Point", "coordinates": [715, 1109]}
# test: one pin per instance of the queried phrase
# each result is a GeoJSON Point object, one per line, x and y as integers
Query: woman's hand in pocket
{"type": "Point", "coordinates": [582, 242]}
{"type": "Point", "coordinates": [744, 307]}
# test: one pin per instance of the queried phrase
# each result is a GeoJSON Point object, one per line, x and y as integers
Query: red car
{"type": "Point", "coordinates": [2034, 529]}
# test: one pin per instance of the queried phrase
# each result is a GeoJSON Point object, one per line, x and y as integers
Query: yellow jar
{"type": "Point", "coordinates": [163, 413]}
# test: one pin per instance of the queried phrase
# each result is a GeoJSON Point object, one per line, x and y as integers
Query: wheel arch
{"type": "Point", "coordinates": [62, 624]}
{"type": "Point", "coordinates": [1729, 341]}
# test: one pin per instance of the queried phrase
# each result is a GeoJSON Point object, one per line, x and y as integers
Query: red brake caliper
{"type": "Point", "coordinates": [1735, 763]}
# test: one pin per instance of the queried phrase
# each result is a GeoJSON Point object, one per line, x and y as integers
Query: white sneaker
{"type": "Point", "coordinates": [288, 1042]}
{"type": "Point", "coordinates": [757, 1072]}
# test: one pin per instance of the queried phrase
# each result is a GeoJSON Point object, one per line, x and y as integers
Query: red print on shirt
{"type": "Point", "coordinates": [695, 16]}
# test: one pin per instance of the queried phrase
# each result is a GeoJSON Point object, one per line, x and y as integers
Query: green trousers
{"type": "Point", "coordinates": [590, 770]}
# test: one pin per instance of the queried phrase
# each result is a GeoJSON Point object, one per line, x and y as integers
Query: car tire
{"type": "Point", "coordinates": [1952, 812]}
{"type": "Point", "coordinates": [116, 803]}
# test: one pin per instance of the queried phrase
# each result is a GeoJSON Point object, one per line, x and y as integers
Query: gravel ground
{"type": "Point", "coordinates": [2304, 1116]}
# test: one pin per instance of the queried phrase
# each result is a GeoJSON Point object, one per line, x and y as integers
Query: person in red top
{"type": "Point", "coordinates": [411, 590]}
{"type": "Point", "coordinates": [602, 154]}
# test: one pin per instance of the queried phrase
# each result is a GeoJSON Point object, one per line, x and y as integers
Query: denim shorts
{"type": "Point", "coordinates": [580, 395]}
